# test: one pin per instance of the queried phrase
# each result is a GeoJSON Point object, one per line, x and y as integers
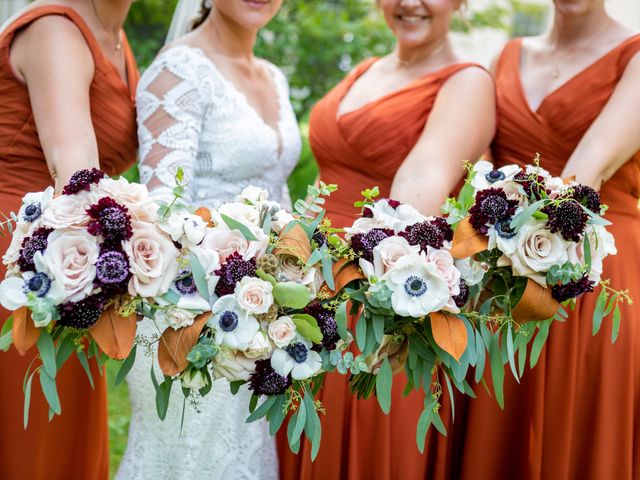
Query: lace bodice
{"type": "Point", "coordinates": [189, 115]}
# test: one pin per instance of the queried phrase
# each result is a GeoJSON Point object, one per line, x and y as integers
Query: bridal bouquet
{"type": "Point", "coordinates": [73, 269]}
{"type": "Point", "coordinates": [243, 304]}
{"type": "Point", "coordinates": [528, 242]}
{"type": "Point", "coordinates": [409, 303]}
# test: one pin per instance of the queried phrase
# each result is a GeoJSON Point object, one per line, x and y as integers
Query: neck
{"type": "Point", "coordinates": [410, 56]}
{"type": "Point", "coordinates": [229, 38]}
{"type": "Point", "coordinates": [112, 13]}
{"type": "Point", "coordinates": [567, 29]}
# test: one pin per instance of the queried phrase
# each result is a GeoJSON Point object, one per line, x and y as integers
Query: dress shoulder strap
{"type": "Point", "coordinates": [630, 48]}
{"type": "Point", "coordinates": [510, 55]}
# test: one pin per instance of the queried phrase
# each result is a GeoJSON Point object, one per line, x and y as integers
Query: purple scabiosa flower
{"type": "Point", "coordinates": [364, 243]}
{"type": "Point", "coordinates": [185, 284]}
{"type": "Point", "coordinates": [568, 218]}
{"type": "Point", "coordinates": [82, 180]}
{"type": "Point", "coordinates": [112, 268]}
{"type": "Point", "coordinates": [327, 324]}
{"type": "Point", "coordinates": [425, 234]}
{"type": "Point", "coordinates": [83, 314]}
{"type": "Point", "coordinates": [265, 381]}
{"type": "Point", "coordinates": [30, 245]}
{"type": "Point", "coordinates": [462, 298]}
{"type": "Point", "coordinates": [444, 227]}
{"type": "Point", "coordinates": [491, 206]}
{"type": "Point", "coordinates": [573, 289]}
{"type": "Point", "coordinates": [232, 271]}
{"type": "Point", "coordinates": [110, 219]}
{"type": "Point", "coordinates": [587, 196]}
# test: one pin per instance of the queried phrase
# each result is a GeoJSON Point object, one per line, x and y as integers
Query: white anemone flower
{"type": "Point", "coordinates": [417, 288]}
{"type": "Point", "coordinates": [233, 327]}
{"type": "Point", "coordinates": [487, 176]}
{"type": "Point", "coordinates": [296, 359]}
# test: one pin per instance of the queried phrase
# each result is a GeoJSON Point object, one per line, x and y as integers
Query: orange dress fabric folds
{"type": "Point", "coordinates": [359, 150]}
{"type": "Point", "coordinates": [577, 414]}
{"type": "Point", "coordinates": [74, 445]}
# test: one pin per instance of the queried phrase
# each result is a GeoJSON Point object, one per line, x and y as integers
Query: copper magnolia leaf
{"type": "Point", "coordinates": [467, 241]}
{"type": "Point", "coordinates": [24, 333]}
{"type": "Point", "coordinates": [294, 242]}
{"type": "Point", "coordinates": [450, 333]}
{"type": "Point", "coordinates": [205, 214]}
{"type": "Point", "coordinates": [175, 345]}
{"type": "Point", "coordinates": [344, 272]}
{"type": "Point", "coordinates": [536, 304]}
{"type": "Point", "coordinates": [114, 333]}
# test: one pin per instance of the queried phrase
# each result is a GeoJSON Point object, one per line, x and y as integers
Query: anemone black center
{"type": "Point", "coordinates": [298, 352]}
{"type": "Point", "coordinates": [228, 321]}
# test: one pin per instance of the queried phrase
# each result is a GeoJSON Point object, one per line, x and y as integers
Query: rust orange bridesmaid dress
{"type": "Point", "coordinates": [362, 149]}
{"type": "Point", "coordinates": [74, 445]}
{"type": "Point", "coordinates": [577, 414]}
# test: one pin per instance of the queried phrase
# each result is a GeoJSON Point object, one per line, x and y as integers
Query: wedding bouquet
{"type": "Point", "coordinates": [243, 304]}
{"type": "Point", "coordinates": [72, 275]}
{"type": "Point", "coordinates": [528, 242]}
{"type": "Point", "coordinates": [409, 302]}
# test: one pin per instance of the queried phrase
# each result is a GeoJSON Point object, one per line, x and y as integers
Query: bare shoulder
{"type": "Point", "coordinates": [473, 77]}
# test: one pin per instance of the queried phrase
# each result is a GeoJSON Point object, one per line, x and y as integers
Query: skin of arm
{"type": "Point", "coordinates": [460, 126]}
{"type": "Point", "coordinates": [613, 137]}
{"type": "Point", "coordinates": [53, 59]}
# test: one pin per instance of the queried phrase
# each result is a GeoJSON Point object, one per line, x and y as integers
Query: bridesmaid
{"type": "Point", "coordinates": [404, 122]}
{"type": "Point", "coordinates": [67, 83]}
{"type": "Point", "coordinates": [572, 95]}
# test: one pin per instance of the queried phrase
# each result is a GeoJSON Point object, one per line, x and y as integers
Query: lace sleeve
{"type": "Point", "coordinates": [170, 116]}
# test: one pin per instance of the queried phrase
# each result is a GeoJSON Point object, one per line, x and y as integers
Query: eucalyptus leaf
{"type": "Point", "coordinates": [27, 400]}
{"type": "Point", "coordinates": [384, 380]}
{"type": "Point", "coordinates": [615, 329]}
{"type": "Point", "coordinates": [241, 227]}
{"type": "Point", "coordinates": [538, 343]}
{"type": "Point", "coordinates": [497, 370]}
{"type": "Point", "coordinates": [262, 410]}
{"type": "Point", "coordinates": [341, 321]}
{"type": "Point", "coordinates": [199, 276]}
{"type": "Point", "coordinates": [82, 358]}
{"type": "Point", "coordinates": [125, 368]}
{"type": "Point", "coordinates": [598, 312]}
{"type": "Point", "coordinates": [50, 391]}
{"type": "Point", "coordinates": [47, 351]}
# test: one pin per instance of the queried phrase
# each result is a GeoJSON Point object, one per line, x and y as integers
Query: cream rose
{"type": "Point", "coordinates": [602, 244]}
{"type": "Point", "coordinates": [67, 211]}
{"type": "Point", "coordinates": [226, 242]}
{"type": "Point", "coordinates": [134, 196]}
{"type": "Point", "coordinates": [254, 295]}
{"type": "Point", "coordinates": [252, 195]}
{"type": "Point", "coordinates": [259, 347]}
{"type": "Point", "coordinates": [471, 271]}
{"type": "Point", "coordinates": [153, 258]}
{"type": "Point", "coordinates": [185, 228]}
{"type": "Point", "coordinates": [233, 365]}
{"type": "Point", "coordinates": [386, 254]}
{"type": "Point", "coordinates": [71, 257]}
{"type": "Point", "coordinates": [176, 318]}
{"type": "Point", "coordinates": [282, 331]}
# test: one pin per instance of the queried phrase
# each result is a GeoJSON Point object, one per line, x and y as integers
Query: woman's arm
{"type": "Point", "coordinates": [52, 57]}
{"type": "Point", "coordinates": [460, 126]}
{"type": "Point", "coordinates": [613, 137]}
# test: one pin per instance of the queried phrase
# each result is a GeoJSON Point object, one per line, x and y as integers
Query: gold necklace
{"type": "Point", "coordinates": [118, 42]}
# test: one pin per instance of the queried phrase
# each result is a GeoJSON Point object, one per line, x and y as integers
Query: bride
{"type": "Point", "coordinates": [206, 104]}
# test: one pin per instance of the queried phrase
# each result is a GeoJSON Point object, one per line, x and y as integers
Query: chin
{"type": "Point", "coordinates": [576, 7]}
{"type": "Point", "coordinates": [251, 14]}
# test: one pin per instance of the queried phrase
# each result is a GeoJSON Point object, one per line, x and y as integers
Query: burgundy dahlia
{"type": "Point", "coordinates": [83, 314]}
{"type": "Point", "coordinates": [110, 219]}
{"type": "Point", "coordinates": [234, 270]}
{"type": "Point", "coordinates": [568, 218]}
{"type": "Point", "coordinates": [572, 289]}
{"type": "Point", "coordinates": [30, 245]}
{"type": "Point", "coordinates": [82, 180]}
{"type": "Point", "coordinates": [364, 243]}
{"type": "Point", "coordinates": [462, 298]}
{"type": "Point", "coordinates": [185, 284]}
{"type": "Point", "coordinates": [588, 197]}
{"type": "Point", "coordinates": [265, 381]}
{"type": "Point", "coordinates": [491, 206]}
{"type": "Point", "coordinates": [327, 324]}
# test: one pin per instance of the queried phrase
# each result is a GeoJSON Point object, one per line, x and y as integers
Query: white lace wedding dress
{"type": "Point", "coordinates": [189, 115]}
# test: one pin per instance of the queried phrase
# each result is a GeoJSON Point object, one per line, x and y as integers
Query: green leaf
{"type": "Point", "coordinates": [64, 350]}
{"type": "Point", "coordinates": [511, 354]}
{"type": "Point", "coordinates": [262, 410]}
{"type": "Point", "coordinates": [126, 366]}
{"type": "Point", "coordinates": [497, 370]}
{"type": "Point", "coordinates": [424, 422]}
{"type": "Point", "coordinates": [384, 380]}
{"type": "Point", "coordinates": [310, 424]}
{"type": "Point", "coordinates": [421, 348]}
{"type": "Point", "coordinates": [262, 275]}
{"type": "Point", "coordinates": [361, 332]}
{"type": "Point", "coordinates": [6, 335]}
{"type": "Point", "coordinates": [341, 321]}
{"type": "Point", "coordinates": [235, 386]}
{"type": "Point", "coordinates": [327, 267]}
{"type": "Point", "coordinates": [27, 400]}
{"type": "Point", "coordinates": [163, 394]}
{"type": "Point", "coordinates": [538, 343]}
{"type": "Point", "coordinates": [50, 391]}
{"type": "Point", "coordinates": [298, 419]}
{"type": "Point", "coordinates": [481, 356]}
{"type": "Point", "coordinates": [587, 252]}
{"type": "Point", "coordinates": [451, 397]}
{"type": "Point", "coordinates": [307, 326]}
{"type": "Point", "coordinates": [82, 358]}
{"type": "Point", "coordinates": [294, 446]}
{"type": "Point", "coordinates": [241, 227]}
{"type": "Point", "coordinates": [253, 402]}
{"type": "Point", "coordinates": [172, 297]}
{"type": "Point", "coordinates": [598, 312]}
{"type": "Point", "coordinates": [47, 352]}
{"type": "Point", "coordinates": [378, 327]}
{"type": "Point", "coordinates": [521, 218]}
{"type": "Point", "coordinates": [437, 422]}
{"type": "Point", "coordinates": [615, 329]}
{"type": "Point", "coordinates": [276, 414]}
{"type": "Point", "coordinates": [199, 276]}
{"type": "Point", "coordinates": [291, 295]}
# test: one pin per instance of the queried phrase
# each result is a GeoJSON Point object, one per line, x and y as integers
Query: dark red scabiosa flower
{"type": "Point", "coordinates": [83, 314]}
{"type": "Point", "coordinates": [445, 228]}
{"type": "Point", "coordinates": [364, 243]}
{"type": "Point", "coordinates": [568, 218]}
{"type": "Point", "coordinates": [462, 298]}
{"type": "Point", "coordinates": [588, 197]}
{"type": "Point", "coordinates": [185, 284]}
{"type": "Point", "coordinates": [393, 203]}
{"type": "Point", "coordinates": [82, 180]}
{"type": "Point", "coordinates": [572, 289]}
{"type": "Point", "coordinates": [532, 184]}
{"type": "Point", "coordinates": [110, 219]}
{"type": "Point", "coordinates": [491, 206]}
{"type": "Point", "coordinates": [425, 234]}
{"type": "Point", "coordinates": [327, 324]}
{"type": "Point", "coordinates": [112, 271]}
{"type": "Point", "coordinates": [30, 245]}
{"type": "Point", "coordinates": [234, 270]}
{"type": "Point", "coordinates": [265, 381]}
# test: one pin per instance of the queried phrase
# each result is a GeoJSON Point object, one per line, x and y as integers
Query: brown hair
{"type": "Point", "coordinates": [204, 13]}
